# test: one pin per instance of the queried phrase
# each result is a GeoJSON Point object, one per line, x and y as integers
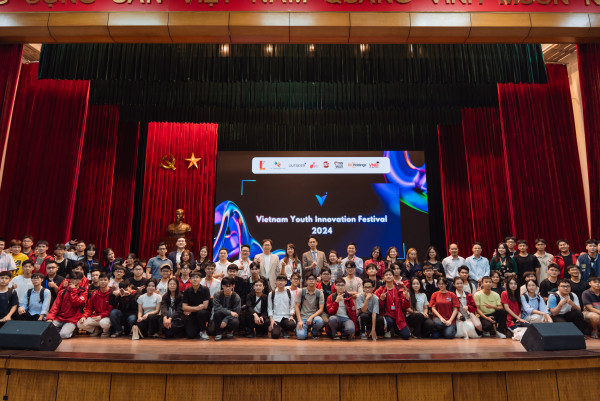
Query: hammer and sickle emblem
{"type": "Point", "coordinates": [168, 162]}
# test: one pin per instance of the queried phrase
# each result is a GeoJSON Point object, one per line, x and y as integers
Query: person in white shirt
{"type": "Point", "coordinates": [452, 262]}
{"type": "Point", "coordinates": [281, 309]}
{"type": "Point", "coordinates": [353, 283]}
{"type": "Point", "coordinates": [479, 266]}
{"type": "Point", "coordinates": [222, 263]}
{"type": "Point", "coordinates": [23, 282]}
{"type": "Point", "coordinates": [268, 262]}
{"type": "Point", "coordinates": [7, 263]}
{"type": "Point", "coordinates": [243, 263]}
{"type": "Point", "coordinates": [36, 304]}
{"type": "Point", "coordinates": [351, 249]}
{"type": "Point", "coordinates": [564, 305]}
{"type": "Point", "coordinates": [213, 284]}
{"type": "Point", "coordinates": [163, 285]}
{"type": "Point", "coordinates": [543, 257]}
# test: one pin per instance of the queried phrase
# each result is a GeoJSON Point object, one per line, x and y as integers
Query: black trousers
{"type": "Point", "coordinates": [25, 316]}
{"type": "Point", "coordinates": [499, 317]}
{"type": "Point", "coordinates": [573, 316]}
{"type": "Point", "coordinates": [285, 324]}
{"type": "Point", "coordinates": [365, 323]}
{"type": "Point", "coordinates": [175, 331]}
{"type": "Point", "coordinates": [149, 326]}
{"type": "Point", "coordinates": [232, 324]}
{"type": "Point", "coordinates": [247, 321]}
{"type": "Point", "coordinates": [421, 327]}
{"type": "Point", "coordinates": [196, 322]}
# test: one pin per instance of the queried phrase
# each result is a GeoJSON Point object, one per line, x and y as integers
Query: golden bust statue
{"type": "Point", "coordinates": [179, 227]}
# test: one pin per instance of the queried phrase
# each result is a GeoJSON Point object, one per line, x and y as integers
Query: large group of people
{"type": "Point", "coordinates": [313, 294]}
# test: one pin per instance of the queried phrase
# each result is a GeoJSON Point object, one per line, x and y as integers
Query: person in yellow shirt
{"type": "Point", "coordinates": [19, 257]}
{"type": "Point", "coordinates": [490, 310]}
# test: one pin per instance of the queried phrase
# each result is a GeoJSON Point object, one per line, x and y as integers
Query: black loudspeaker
{"type": "Point", "coordinates": [39, 336]}
{"type": "Point", "coordinates": [552, 337]}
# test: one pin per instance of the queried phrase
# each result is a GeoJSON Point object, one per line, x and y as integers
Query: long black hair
{"type": "Point", "coordinates": [377, 248]}
{"type": "Point", "coordinates": [496, 259]}
{"type": "Point", "coordinates": [411, 291]}
{"type": "Point", "coordinates": [514, 296]}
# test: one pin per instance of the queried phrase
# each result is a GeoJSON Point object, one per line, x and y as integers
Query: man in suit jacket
{"type": "Point", "coordinates": [313, 261]}
{"type": "Point", "coordinates": [173, 256]}
{"type": "Point", "coordinates": [268, 262]}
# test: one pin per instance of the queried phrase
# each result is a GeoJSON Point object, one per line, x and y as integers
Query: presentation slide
{"type": "Point", "coordinates": [369, 198]}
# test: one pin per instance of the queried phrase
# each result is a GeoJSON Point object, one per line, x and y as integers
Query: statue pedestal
{"type": "Point", "coordinates": [172, 243]}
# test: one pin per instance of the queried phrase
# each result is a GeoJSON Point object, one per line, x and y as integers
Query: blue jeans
{"type": "Point", "coordinates": [343, 324]}
{"type": "Point", "coordinates": [445, 331]}
{"type": "Point", "coordinates": [117, 319]}
{"type": "Point", "coordinates": [316, 326]}
{"type": "Point", "coordinates": [391, 325]}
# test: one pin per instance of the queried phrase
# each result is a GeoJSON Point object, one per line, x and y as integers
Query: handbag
{"type": "Point", "coordinates": [136, 334]}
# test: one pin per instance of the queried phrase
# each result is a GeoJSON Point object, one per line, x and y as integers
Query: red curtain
{"type": "Point", "coordinates": [191, 189]}
{"type": "Point", "coordinates": [489, 192]}
{"type": "Point", "coordinates": [455, 188]}
{"type": "Point", "coordinates": [547, 196]}
{"type": "Point", "coordinates": [96, 171]}
{"type": "Point", "coordinates": [43, 153]}
{"type": "Point", "coordinates": [588, 59]}
{"type": "Point", "coordinates": [9, 77]}
{"type": "Point", "coordinates": [123, 191]}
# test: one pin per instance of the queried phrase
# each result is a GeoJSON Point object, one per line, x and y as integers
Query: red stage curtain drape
{"type": "Point", "coordinates": [455, 188]}
{"type": "Point", "coordinates": [542, 160]}
{"type": "Point", "coordinates": [123, 191]}
{"type": "Point", "coordinates": [190, 189]}
{"type": "Point", "coordinates": [42, 157]}
{"type": "Point", "coordinates": [9, 77]}
{"type": "Point", "coordinates": [588, 58]}
{"type": "Point", "coordinates": [489, 192]}
{"type": "Point", "coordinates": [96, 171]}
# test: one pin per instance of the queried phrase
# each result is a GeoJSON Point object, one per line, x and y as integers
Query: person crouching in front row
{"type": "Point", "coordinates": [342, 311]}
{"type": "Point", "coordinates": [66, 310]}
{"type": "Point", "coordinates": [226, 309]}
{"type": "Point", "coordinates": [281, 309]}
{"type": "Point", "coordinates": [95, 319]}
{"type": "Point", "coordinates": [393, 306]}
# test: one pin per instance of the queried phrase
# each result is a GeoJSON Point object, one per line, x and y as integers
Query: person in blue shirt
{"type": "Point", "coordinates": [533, 307]}
{"type": "Point", "coordinates": [36, 303]}
{"type": "Point", "coordinates": [154, 264]}
{"type": "Point", "coordinates": [478, 265]}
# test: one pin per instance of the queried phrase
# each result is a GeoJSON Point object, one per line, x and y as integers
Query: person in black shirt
{"type": "Point", "coordinates": [550, 284]}
{"type": "Point", "coordinates": [138, 281]}
{"type": "Point", "coordinates": [9, 300]}
{"type": "Point", "coordinates": [578, 286]}
{"type": "Point", "coordinates": [327, 286]}
{"type": "Point", "coordinates": [250, 281]}
{"type": "Point", "coordinates": [256, 315]}
{"type": "Point", "coordinates": [124, 308]}
{"type": "Point", "coordinates": [525, 262]}
{"type": "Point", "coordinates": [239, 287]}
{"type": "Point", "coordinates": [195, 305]}
{"type": "Point", "coordinates": [433, 258]}
{"type": "Point", "coordinates": [428, 282]}
{"type": "Point", "coordinates": [52, 281]}
{"type": "Point", "coordinates": [59, 258]}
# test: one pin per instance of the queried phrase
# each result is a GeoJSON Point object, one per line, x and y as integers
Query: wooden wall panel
{"type": "Point", "coordinates": [205, 388]}
{"type": "Point", "coordinates": [301, 388]}
{"type": "Point", "coordinates": [125, 387]}
{"type": "Point", "coordinates": [532, 386]}
{"type": "Point", "coordinates": [83, 386]}
{"type": "Point", "coordinates": [21, 383]}
{"type": "Point", "coordinates": [577, 384]}
{"type": "Point", "coordinates": [244, 388]}
{"type": "Point", "coordinates": [369, 388]}
{"type": "Point", "coordinates": [471, 386]}
{"type": "Point", "coordinates": [425, 387]}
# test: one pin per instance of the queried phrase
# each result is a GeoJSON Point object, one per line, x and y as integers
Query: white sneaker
{"type": "Point", "coordinates": [500, 335]}
{"type": "Point", "coordinates": [466, 337]}
{"type": "Point", "coordinates": [204, 336]}
{"type": "Point", "coordinates": [486, 334]}
{"type": "Point", "coordinates": [388, 334]}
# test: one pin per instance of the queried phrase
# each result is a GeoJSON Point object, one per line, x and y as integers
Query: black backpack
{"type": "Point", "coordinates": [558, 296]}
{"type": "Point", "coordinates": [42, 290]}
{"type": "Point", "coordinates": [317, 294]}
{"type": "Point", "coordinates": [289, 296]}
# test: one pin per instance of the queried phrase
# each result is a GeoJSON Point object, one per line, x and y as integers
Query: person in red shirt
{"type": "Point", "coordinates": [95, 318]}
{"type": "Point", "coordinates": [511, 300]}
{"type": "Point", "coordinates": [444, 305]}
{"type": "Point", "coordinates": [377, 260]}
{"type": "Point", "coordinates": [565, 258]}
{"type": "Point", "coordinates": [184, 278]}
{"type": "Point", "coordinates": [393, 305]}
{"type": "Point", "coordinates": [41, 257]}
{"type": "Point", "coordinates": [66, 309]}
{"type": "Point", "coordinates": [342, 311]}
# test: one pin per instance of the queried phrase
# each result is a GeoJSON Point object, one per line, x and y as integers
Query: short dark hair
{"type": "Point", "coordinates": [186, 265]}
{"type": "Point", "coordinates": [227, 281]}
{"type": "Point", "coordinates": [340, 280]}
{"type": "Point", "coordinates": [260, 280]}
{"type": "Point", "coordinates": [368, 281]}
{"type": "Point", "coordinates": [76, 275]}
{"type": "Point", "coordinates": [103, 275]}
{"type": "Point", "coordinates": [427, 266]}
{"type": "Point", "coordinates": [161, 244]}
{"type": "Point", "coordinates": [352, 243]}
{"type": "Point", "coordinates": [60, 246]}
{"type": "Point", "coordinates": [476, 243]}
{"type": "Point", "coordinates": [311, 274]}
{"type": "Point", "coordinates": [563, 281]}
{"type": "Point", "coordinates": [245, 246]}
{"type": "Point", "coordinates": [463, 267]}
{"type": "Point", "coordinates": [591, 241]}
{"type": "Point", "coordinates": [28, 262]}
{"type": "Point", "coordinates": [42, 242]}
{"type": "Point", "coordinates": [506, 239]}
{"type": "Point", "coordinates": [210, 263]}
{"type": "Point", "coordinates": [151, 280]}
{"type": "Point", "coordinates": [5, 273]}
{"type": "Point", "coordinates": [540, 240]}
{"type": "Point", "coordinates": [522, 241]}
{"type": "Point", "coordinates": [254, 265]}
{"type": "Point", "coordinates": [325, 269]}
{"type": "Point", "coordinates": [562, 240]}
{"type": "Point", "coordinates": [554, 266]}
{"type": "Point", "coordinates": [312, 237]}
{"type": "Point", "coordinates": [593, 278]}
{"type": "Point", "coordinates": [51, 262]}
{"type": "Point", "coordinates": [486, 278]}
{"type": "Point", "coordinates": [270, 241]}
{"type": "Point", "coordinates": [281, 277]}
{"type": "Point", "coordinates": [15, 242]}
{"type": "Point", "coordinates": [388, 270]}
{"type": "Point", "coordinates": [232, 266]}
{"type": "Point", "coordinates": [370, 265]}
{"type": "Point", "coordinates": [37, 275]}
{"type": "Point", "coordinates": [350, 264]}
{"type": "Point", "coordinates": [573, 266]}
{"type": "Point", "coordinates": [195, 274]}
{"type": "Point", "coordinates": [28, 237]}
{"type": "Point", "coordinates": [166, 266]}
{"type": "Point", "coordinates": [118, 267]}
{"type": "Point", "coordinates": [223, 249]}
{"type": "Point", "coordinates": [296, 275]}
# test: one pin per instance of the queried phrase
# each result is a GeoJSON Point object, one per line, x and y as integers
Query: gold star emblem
{"type": "Point", "coordinates": [193, 161]}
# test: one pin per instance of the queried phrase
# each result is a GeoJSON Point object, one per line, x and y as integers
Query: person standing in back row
{"type": "Point", "coordinates": [452, 262]}
{"type": "Point", "coordinates": [313, 260]}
